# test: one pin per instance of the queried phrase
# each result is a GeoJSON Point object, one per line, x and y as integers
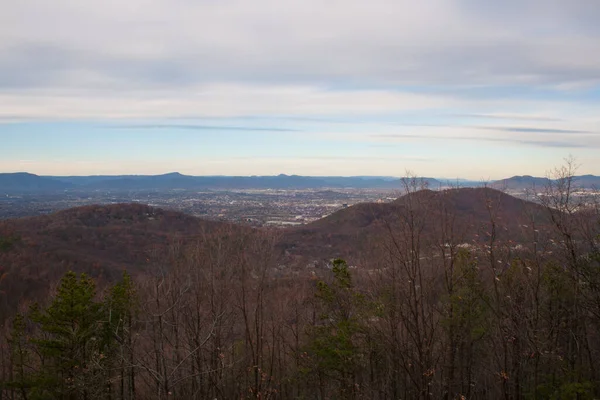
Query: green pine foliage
{"type": "Point", "coordinates": [67, 350]}
{"type": "Point", "coordinates": [7, 243]}
{"type": "Point", "coordinates": [335, 348]}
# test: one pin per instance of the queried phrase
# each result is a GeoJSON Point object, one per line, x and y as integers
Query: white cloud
{"type": "Point", "coordinates": [223, 100]}
{"type": "Point", "coordinates": [157, 43]}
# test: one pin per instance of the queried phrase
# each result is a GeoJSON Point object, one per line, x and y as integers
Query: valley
{"type": "Point", "coordinates": [255, 207]}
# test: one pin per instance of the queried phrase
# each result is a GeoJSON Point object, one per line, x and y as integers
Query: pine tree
{"type": "Point", "coordinates": [70, 342]}
{"type": "Point", "coordinates": [120, 307]}
{"type": "Point", "coordinates": [335, 347]}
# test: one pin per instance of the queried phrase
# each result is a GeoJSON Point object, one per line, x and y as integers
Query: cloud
{"type": "Point", "coordinates": [534, 130]}
{"type": "Point", "coordinates": [152, 44]}
{"type": "Point", "coordinates": [512, 117]}
{"type": "Point", "coordinates": [554, 143]}
{"type": "Point", "coordinates": [528, 142]}
{"type": "Point", "coordinates": [203, 127]}
{"type": "Point", "coordinates": [214, 100]}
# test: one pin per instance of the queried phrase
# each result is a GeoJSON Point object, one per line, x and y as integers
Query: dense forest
{"type": "Point", "coordinates": [498, 301]}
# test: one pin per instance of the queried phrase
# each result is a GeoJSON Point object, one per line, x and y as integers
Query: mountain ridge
{"type": "Point", "coordinates": [27, 182]}
{"type": "Point", "coordinates": [176, 180]}
{"type": "Point", "coordinates": [523, 182]}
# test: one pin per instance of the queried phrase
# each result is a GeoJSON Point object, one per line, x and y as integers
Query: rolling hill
{"type": "Point", "coordinates": [353, 232]}
{"type": "Point", "coordinates": [99, 240]}
{"type": "Point", "coordinates": [104, 240]}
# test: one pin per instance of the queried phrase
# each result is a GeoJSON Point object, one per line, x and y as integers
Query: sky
{"type": "Point", "coordinates": [443, 88]}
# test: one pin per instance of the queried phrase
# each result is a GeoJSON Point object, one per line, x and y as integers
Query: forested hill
{"type": "Point", "coordinates": [105, 240]}
{"type": "Point", "coordinates": [102, 241]}
{"type": "Point", "coordinates": [464, 293]}
{"type": "Point", "coordinates": [466, 213]}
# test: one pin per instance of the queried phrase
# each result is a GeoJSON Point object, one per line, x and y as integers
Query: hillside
{"type": "Point", "coordinates": [223, 285]}
{"type": "Point", "coordinates": [104, 240]}
{"type": "Point", "coordinates": [99, 240]}
{"type": "Point", "coordinates": [354, 232]}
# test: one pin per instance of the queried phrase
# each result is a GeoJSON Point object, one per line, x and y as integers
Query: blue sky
{"type": "Point", "coordinates": [449, 88]}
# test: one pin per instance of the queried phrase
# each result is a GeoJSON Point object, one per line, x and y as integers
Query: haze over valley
{"type": "Point", "coordinates": [280, 200]}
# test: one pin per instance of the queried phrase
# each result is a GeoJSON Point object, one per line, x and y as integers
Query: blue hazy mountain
{"type": "Point", "coordinates": [178, 181]}
{"type": "Point", "coordinates": [588, 181]}
{"type": "Point", "coordinates": [522, 182]}
{"type": "Point", "coordinates": [25, 182]}
{"type": "Point", "coordinates": [28, 183]}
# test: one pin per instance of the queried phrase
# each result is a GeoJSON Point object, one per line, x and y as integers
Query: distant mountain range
{"type": "Point", "coordinates": [29, 183]}
{"type": "Point", "coordinates": [24, 182]}
{"type": "Point", "coordinates": [527, 182]}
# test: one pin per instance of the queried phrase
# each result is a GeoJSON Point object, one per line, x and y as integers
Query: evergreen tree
{"type": "Point", "coordinates": [70, 342]}
{"type": "Point", "coordinates": [335, 348]}
{"type": "Point", "coordinates": [120, 307]}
